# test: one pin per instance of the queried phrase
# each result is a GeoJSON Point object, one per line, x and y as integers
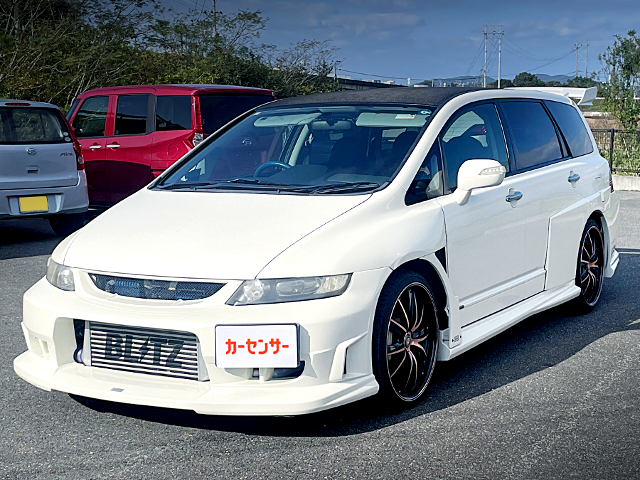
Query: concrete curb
{"type": "Point", "coordinates": [623, 182]}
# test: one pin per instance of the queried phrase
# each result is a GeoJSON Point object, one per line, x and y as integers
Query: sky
{"type": "Point", "coordinates": [428, 39]}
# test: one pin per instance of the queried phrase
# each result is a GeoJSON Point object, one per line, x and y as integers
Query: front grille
{"type": "Point", "coordinates": [167, 353]}
{"type": "Point", "coordinates": [155, 289]}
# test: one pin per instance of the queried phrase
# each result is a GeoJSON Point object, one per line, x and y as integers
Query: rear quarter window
{"type": "Point", "coordinates": [534, 136]}
{"type": "Point", "coordinates": [572, 127]}
{"type": "Point", "coordinates": [173, 112]}
{"type": "Point", "coordinates": [218, 110]}
{"type": "Point", "coordinates": [31, 125]}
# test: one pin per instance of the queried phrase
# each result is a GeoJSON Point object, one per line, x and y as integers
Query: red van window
{"type": "Point", "coordinates": [173, 112]}
{"type": "Point", "coordinates": [91, 118]}
{"type": "Point", "coordinates": [217, 110]}
{"type": "Point", "coordinates": [131, 114]}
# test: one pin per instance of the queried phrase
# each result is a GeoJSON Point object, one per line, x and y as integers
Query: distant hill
{"type": "Point", "coordinates": [553, 78]}
{"type": "Point", "coordinates": [476, 80]}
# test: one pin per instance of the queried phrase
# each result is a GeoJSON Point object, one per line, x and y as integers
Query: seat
{"type": "Point", "coordinates": [401, 145]}
{"type": "Point", "coordinates": [348, 155]}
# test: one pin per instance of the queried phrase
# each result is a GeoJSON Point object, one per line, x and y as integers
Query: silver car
{"type": "Point", "coordinates": [41, 168]}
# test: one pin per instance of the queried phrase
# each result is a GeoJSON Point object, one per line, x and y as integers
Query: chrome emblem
{"type": "Point", "coordinates": [31, 151]}
{"type": "Point", "coordinates": [246, 142]}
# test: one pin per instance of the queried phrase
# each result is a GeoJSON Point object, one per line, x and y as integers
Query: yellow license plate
{"type": "Point", "coordinates": [34, 204]}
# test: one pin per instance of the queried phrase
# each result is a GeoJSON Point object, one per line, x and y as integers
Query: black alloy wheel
{"type": "Point", "coordinates": [590, 271]}
{"type": "Point", "coordinates": [405, 338]}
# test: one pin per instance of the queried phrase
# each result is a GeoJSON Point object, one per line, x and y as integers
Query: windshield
{"type": "Point", "coordinates": [325, 149]}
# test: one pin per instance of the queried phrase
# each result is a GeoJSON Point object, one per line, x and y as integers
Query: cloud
{"type": "Point", "coordinates": [372, 22]}
{"type": "Point", "coordinates": [562, 27]}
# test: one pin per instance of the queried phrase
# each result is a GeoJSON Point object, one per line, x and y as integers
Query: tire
{"type": "Point", "coordinates": [65, 225]}
{"type": "Point", "coordinates": [406, 321]}
{"type": "Point", "coordinates": [590, 268]}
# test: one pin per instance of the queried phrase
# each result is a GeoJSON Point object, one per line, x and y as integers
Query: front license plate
{"type": "Point", "coordinates": [257, 346]}
{"type": "Point", "coordinates": [34, 204]}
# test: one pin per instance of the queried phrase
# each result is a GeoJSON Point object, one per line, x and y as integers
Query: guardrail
{"type": "Point", "coordinates": [621, 147]}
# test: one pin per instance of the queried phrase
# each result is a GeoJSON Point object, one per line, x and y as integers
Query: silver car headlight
{"type": "Point", "coordinates": [60, 276]}
{"type": "Point", "coordinates": [279, 290]}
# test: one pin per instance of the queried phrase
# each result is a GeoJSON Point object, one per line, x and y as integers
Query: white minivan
{"type": "Point", "coordinates": [41, 167]}
{"type": "Point", "coordinates": [318, 250]}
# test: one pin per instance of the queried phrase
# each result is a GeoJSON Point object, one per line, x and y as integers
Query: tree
{"type": "Point", "coordinates": [504, 83]}
{"type": "Point", "coordinates": [526, 79]}
{"type": "Point", "coordinates": [621, 67]}
{"type": "Point", "coordinates": [582, 82]}
{"type": "Point", "coordinates": [53, 50]}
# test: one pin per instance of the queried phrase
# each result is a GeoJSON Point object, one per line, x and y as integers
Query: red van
{"type": "Point", "coordinates": [129, 135]}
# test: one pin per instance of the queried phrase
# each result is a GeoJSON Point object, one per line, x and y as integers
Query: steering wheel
{"type": "Point", "coordinates": [272, 164]}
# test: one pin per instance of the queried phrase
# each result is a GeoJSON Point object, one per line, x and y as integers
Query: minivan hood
{"type": "Point", "coordinates": [204, 235]}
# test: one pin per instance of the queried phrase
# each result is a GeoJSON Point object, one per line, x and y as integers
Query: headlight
{"type": "Point", "coordinates": [60, 276]}
{"type": "Point", "coordinates": [255, 292]}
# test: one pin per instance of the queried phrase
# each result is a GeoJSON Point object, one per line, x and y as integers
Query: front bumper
{"type": "Point", "coordinates": [334, 343]}
{"type": "Point", "coordinates": [73, 199]}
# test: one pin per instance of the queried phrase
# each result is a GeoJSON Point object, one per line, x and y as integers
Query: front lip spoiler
{"type": "Point", "coordinates": [255, 399]}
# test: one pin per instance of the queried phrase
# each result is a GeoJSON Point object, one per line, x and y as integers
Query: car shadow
{"type": "Point", "coordinates": [533, 345]}
{"type": "Point", "coordinates": [30, 237]}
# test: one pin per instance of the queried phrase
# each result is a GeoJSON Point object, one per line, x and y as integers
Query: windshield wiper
{"type": "Point", "coordinates": [244, 183]}
{"type": "Point", "coordinates": [340, 187]}
{"type": "Point", "coordinates": [220, 184]}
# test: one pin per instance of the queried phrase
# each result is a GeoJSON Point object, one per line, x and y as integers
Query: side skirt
{"type": "Point", "coordinates": [488, 327]}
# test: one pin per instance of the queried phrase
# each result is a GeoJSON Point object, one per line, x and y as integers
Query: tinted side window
{"type": "Point", "coordinates": [131, 114]}
{"type": "Point", "coordinates": [534, 136]}
{"type": "Point", "coordinates": [570, 122]}
{"type": "Point", "coordinates": [428, 183]}
{"type": "Point", "coordinates": [92, 117]}
{"type": "Point", "coordinates": [217, 110]}
{"type": "Point", "coordinates": [475, 133]}
{"type": "Point", "coordinates": [173, 112]}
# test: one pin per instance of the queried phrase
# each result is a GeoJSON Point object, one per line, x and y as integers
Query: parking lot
{"type": "Point", "coordinates": [556, 396]}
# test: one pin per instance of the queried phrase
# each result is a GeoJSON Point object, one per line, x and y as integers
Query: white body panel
{"type": "Point", "coordinates": [503, 264]}
{"type": "Point", "coordinates": [201, 234]}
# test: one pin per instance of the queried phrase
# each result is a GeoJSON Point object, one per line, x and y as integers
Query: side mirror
{"type": "Point", "coordinates": [477, 174]}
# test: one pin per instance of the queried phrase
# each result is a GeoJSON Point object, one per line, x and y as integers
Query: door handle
{"type": "Point", "coordinates": [95, 147]}
{"type": "Point", "coordinates": [513, 196]}
{"type": "Point", "coordinates": [573, 178]}
{"type": "Point", "coordinates": [113, 145]}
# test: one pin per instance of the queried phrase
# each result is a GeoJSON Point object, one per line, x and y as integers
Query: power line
{"type": "Point", "coordinates": [390, 77]}
{"type": "Point", "coordinates": [187, 3]}
{"type": "Point", "coordinates": [548, 63]}
{"type": "Point", "coordinates": [475, 59]}
{"type": "Point", "coordinates": [526, 53]}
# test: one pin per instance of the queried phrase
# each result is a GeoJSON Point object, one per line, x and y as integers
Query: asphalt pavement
{"type": "Point", "coordinates": [556, 396]}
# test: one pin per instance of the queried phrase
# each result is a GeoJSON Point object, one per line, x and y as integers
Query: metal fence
{"type": "Point", "coordinates": [622, 148]}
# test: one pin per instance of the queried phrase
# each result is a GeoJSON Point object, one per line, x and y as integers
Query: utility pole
{"type": "Point", "coordinates": [577, 47]}
{"type": "Point", "coordinates": [484, 70]}
{"type": "Point", "coordinates": [215, 20]}
{"type": "Point", "coordinates": [499, 52]}
{"type": "Point", "coordinates": [586, 62]}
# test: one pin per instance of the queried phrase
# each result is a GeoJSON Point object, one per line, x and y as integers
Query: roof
{"type": "Point", "coordinates": [186, 89]}
{"type": "Point", "coordinates": [4, 101]}
{"type": "Point", "coordinates": [413, 96]}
